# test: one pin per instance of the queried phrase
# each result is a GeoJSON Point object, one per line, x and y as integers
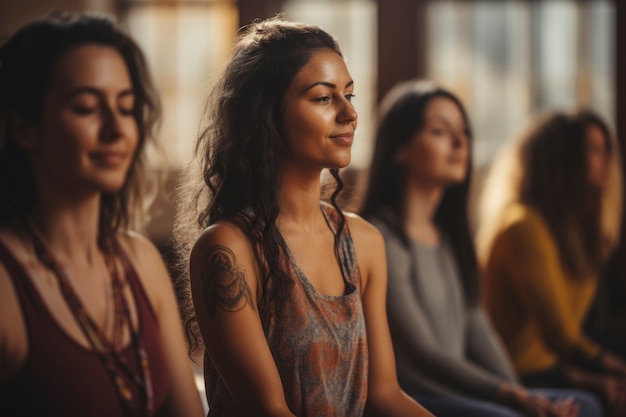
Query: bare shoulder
{"type": "Point", "coordinates": [9, 306]}
{"type": "Point", "coordinates": [138, 247]}
{"type": "Point", "coordinates": [149, 265]}
{"type": "Point", "coordinates": [370, 249]}
{"type": "Point", "coordinates": [13, 337]}
{"type": "Point", "coordinates": [222, 234]}
{"type": "Point", "coordinates": [223, 266]}
{"type": "Point", "coordinates": [364, 232]}
{"type": "Point", "coordinates": [145, 257]}
{"type": "Point", "coordinates": [222, 242]}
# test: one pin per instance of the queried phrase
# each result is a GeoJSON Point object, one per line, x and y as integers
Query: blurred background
{"type": "Point", "coordinates": [506, 59]}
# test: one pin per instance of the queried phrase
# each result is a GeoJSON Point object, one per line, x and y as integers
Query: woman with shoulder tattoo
{"type": "Point", "coordinates": [288, 292]}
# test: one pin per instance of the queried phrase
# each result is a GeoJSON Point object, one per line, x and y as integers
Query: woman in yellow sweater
{"type": "Point", "coordinates": [546, 230]}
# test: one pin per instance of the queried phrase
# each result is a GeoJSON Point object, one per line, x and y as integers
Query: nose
{"type": "Point", "coordinates": [347, 113]}
{"type": "Point", "coordinates": [112, 124]}
{"type": "Point", "coordinates": [460, 139]}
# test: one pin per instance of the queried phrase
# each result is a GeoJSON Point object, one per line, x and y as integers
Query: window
{"type": "Point", "coordinates": [185, 42]}
{"type": "Point", "coordinates": [507, 60]}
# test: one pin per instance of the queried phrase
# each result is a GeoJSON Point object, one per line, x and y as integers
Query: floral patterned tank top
{"type": "Point", "coordinates": [318, 343]}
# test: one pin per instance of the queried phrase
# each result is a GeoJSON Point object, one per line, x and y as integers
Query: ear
{"type": "Point", "coordinates": [24, 132]}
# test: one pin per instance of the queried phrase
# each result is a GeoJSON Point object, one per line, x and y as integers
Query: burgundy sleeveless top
{"type": "Point", "coordinates": [318, 343]}
{"type": "Point", "coordinates": [63, 378]}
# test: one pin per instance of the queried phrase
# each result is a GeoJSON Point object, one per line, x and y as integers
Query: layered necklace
{"type": "Point", "coordinates": [109, 351]}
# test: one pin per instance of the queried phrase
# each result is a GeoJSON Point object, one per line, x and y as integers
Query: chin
{"type": "Point", "coordinates": [455, 180]}
{"type": "Point", "coordinates": [336, 163]}
{"type": "Point", "coordinates": [344, 161]}
{"type": "Point", "coordinates": [111, 186]}
{"type": "Point", "coordinates": [340, 165]}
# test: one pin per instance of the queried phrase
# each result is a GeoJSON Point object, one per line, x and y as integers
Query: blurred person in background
{"type": "Point", "coordinates": [550, 217]}
{"type": "Point", "coordinates": [606, 322]}
{"type": "Point", "coordinates": [449, 358]}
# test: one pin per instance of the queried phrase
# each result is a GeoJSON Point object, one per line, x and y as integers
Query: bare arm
{"type": "Point", "coordinates": [13, 333]}
{"type": "Point", "coordinates": [612, 364]}
{"type": "Point", "coordinates": [385, 397]}
{"type": "Point", "coordinates": [224, 282]}
{"type": "Point", "coordinates": [184, 399]}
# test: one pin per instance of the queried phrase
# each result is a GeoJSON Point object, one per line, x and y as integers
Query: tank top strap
{"type": "Point", "coordinates": [124, 259]}
{"type": "Point", "coordinates": [347, 253]}
{"type": "Point", "coordinates": [26, 290]}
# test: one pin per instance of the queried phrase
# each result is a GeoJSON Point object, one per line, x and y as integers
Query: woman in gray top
{"type": "Point", "coordinates": [448, 357]}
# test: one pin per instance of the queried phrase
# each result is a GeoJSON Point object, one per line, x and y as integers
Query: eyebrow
{"type": "Point", "coordinates": [327, 84]}
{"type": "Point", "coordinates": [444, 120]}
{"type": "Point", "coordinates": [92, 90]}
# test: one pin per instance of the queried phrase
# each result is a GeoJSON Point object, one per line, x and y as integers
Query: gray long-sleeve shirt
{"type": "Point", "coordinates": [442, 345]}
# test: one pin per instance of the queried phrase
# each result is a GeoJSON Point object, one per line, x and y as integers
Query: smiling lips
{"type": "Point", "coordinates": [456, 159]}
{"type": "Point", "coordinates": [109, 158]}
{"type": "Point", "coordinates": [344, 139]}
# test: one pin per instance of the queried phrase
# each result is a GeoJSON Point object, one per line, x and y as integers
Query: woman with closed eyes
{"type": "Point", "coordinates": [89, 324]}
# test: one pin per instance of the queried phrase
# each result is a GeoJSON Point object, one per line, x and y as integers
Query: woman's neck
{"type": "Point", "coordinates": [420, 205]}
{"type": "Point", "coordinates": [298, 198]}
{"type": "Point", "coordinates": [69, 229]}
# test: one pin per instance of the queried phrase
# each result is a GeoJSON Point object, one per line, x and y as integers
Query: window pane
{"type": "Point", "coordinates": [508, 60]}
{"type": "Point", "coordinates": [185, 44]}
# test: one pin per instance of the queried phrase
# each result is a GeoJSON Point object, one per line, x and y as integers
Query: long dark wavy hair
{"type": "Point", "coordinates": [240, 152]}
{"type": "Point", "coordinates": [28, 60]}
{"type": "Point", "coordinates": [401, 117]}
{"type": "Point", "coordinates": [553, 157]}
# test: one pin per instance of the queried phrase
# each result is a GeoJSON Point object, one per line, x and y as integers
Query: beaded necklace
{"type": "Point", "coordinates": [108, 351]}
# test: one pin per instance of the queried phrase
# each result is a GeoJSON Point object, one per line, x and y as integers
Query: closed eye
{"type": "Point", "coordinates": [324, 99]}
{"type": "Point", "coordinates": [126, 111]}
{"type": "Point", "coordinates": [84, 110]}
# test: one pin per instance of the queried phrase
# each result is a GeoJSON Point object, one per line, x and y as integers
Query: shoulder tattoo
{"type": "Point", "coordinates": [225, 282]}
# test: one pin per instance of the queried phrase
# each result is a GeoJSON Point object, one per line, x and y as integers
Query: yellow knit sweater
{"type": "Point", "coordinates": [537, 308]}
